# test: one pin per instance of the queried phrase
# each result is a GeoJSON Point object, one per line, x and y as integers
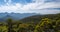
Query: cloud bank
{"type": "Point", "coordinates": [30, 6]}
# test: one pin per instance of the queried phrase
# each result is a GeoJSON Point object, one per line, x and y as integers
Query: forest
{"type": "Point", "coordinates": [36, 23]}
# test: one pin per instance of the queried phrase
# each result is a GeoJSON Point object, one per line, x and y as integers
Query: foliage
{"type": "Point", "coordinates": [47, 23]}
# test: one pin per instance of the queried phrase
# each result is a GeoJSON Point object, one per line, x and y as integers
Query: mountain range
{"type": "Point", "coordinates": [15, 16]}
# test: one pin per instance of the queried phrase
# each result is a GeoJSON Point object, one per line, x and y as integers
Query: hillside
{"type": "Point", "coordinates": [37, 18]}
{"type": "Point", "coordinates": [36, 23]}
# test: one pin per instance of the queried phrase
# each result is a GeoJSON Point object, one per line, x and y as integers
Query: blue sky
{"type": "Point", "coordinates": [30, 6]}
{"type": "Point", "coordinates": [15, 1]}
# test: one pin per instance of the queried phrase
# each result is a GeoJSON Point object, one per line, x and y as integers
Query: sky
{"type": "Point", "coordinates": [30, 6]}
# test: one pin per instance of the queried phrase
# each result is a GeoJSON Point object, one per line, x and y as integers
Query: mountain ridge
{"type": "Point", "coordinates": [15, 16]}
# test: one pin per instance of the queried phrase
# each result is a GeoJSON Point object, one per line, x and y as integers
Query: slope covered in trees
{"type": "Point", "coordinates": [37, 23]}
{"type": "Point", "coordinates": [37, 18]}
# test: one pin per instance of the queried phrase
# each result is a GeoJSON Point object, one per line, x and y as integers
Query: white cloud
{"type": "Point", "coordinates": [47, 11]}
{"type": "Point", "coordinates": [49, 5]}
{"type": "Point", "coordinates": [38, 7]}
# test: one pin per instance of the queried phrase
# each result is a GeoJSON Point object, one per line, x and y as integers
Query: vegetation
{"type": "Point", "coordinates": [38, 23]}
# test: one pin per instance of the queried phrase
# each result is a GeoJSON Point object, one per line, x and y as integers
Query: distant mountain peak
{"type": "Point", "coordinates": [15, 16]}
